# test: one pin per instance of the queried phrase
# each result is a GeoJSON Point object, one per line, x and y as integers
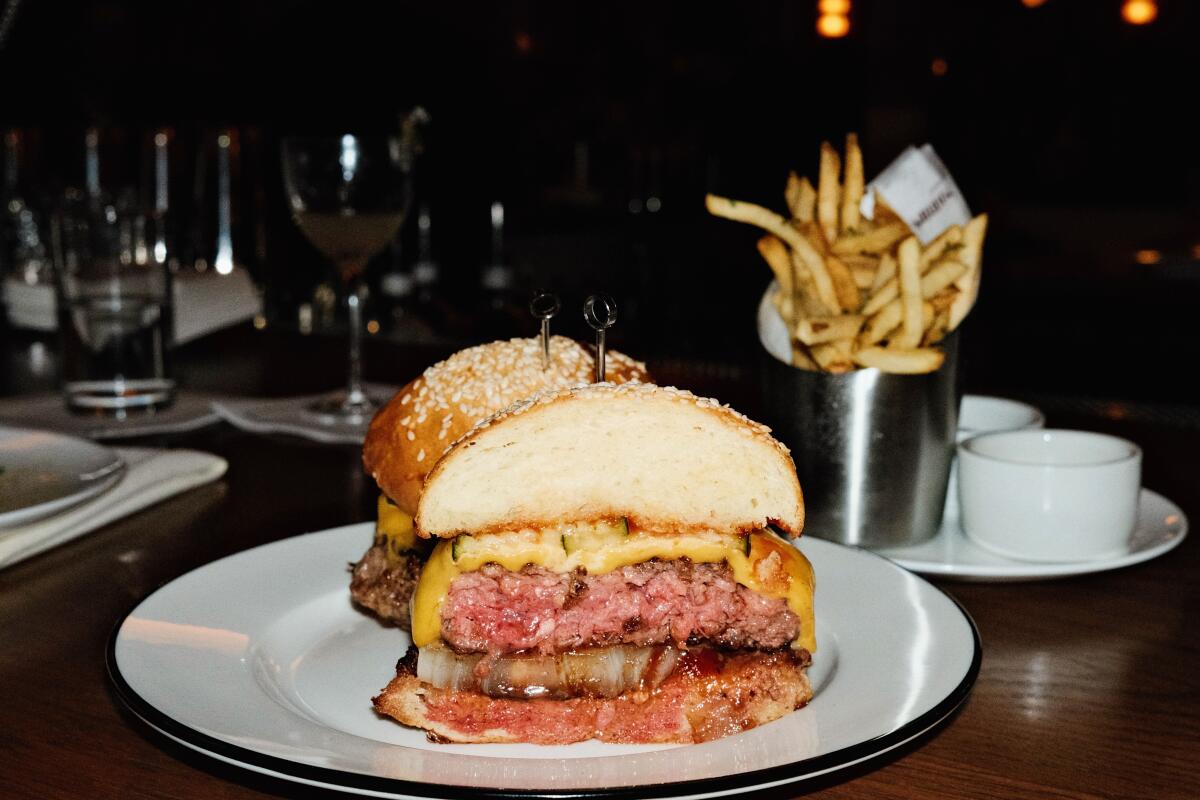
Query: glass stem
{"type": "Point", "coordinates": [354, 391]}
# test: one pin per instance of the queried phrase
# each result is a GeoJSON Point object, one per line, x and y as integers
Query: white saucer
{"type": "Point", "coordinates": [1161, 526]}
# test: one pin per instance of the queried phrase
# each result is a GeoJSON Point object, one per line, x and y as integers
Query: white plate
{"type": "Point", "coordinates": [260, 660]}
{"type": "Point", "coordinates": [1161, 526]}
{"type": "Point", "coordinates": [42, 473]}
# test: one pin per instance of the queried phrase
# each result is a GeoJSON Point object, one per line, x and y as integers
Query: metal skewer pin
{"type": "Point", "coordinates": [600, 312]}
{"type": "Point", "coordinates": [544, 306]}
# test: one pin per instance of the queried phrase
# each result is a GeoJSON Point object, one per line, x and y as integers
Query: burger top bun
{"type": "Point", "coordinates": [666, 460]}
{"type": "Point", "coordinates": [411, 432]}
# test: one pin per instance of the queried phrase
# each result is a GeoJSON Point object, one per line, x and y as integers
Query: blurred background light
{"type": "Point", "coordinates": [839, 7]}
{"type": "Point", "coordinates": [833, 18]}
{"type": "Point", "coordinates": [1139, 12]}
{"type": "Point", "coordinates": [833, 26]}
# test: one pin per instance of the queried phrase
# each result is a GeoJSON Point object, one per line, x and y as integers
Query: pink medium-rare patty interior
{"type": "Point", "coordinates": [496, 610]}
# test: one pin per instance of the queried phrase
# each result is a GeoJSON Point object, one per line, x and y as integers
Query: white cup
{"type": "Point", "coordinates": [983, 414]}
{"type": "Point", "coordinates": [1049, 495]}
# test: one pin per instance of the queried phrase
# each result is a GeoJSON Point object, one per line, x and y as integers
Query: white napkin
{"type": "Point", "coordinates": [203, 302]}
{"type": "Point", "coordinates": [190, 411]}
{"type": "Point", "coordinates": [919, 188]}
{"type": "Point", "coordinates": [150, 476]}
{"type": "Point", "coordinates": [291, 415]}
{"type": "Point", "coordinates": [209, 301]}
{"type": "Point", "coordinates": [29, 306]}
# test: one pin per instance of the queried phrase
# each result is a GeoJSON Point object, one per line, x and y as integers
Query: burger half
{"type": "Point", "coordinates": [610, 563]}
{"type": "Point", "coordinates": [408, 435]}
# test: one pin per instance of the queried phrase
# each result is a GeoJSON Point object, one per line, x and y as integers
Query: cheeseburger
{"type": "Point", "coordinates": [610, 563]}
{"type": "Point", "coordinates": [408, 435]}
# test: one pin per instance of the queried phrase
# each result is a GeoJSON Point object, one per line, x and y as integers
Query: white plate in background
{"type": "Point", "coordinates": [43, 473]}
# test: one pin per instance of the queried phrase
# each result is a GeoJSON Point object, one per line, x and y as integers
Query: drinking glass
{"type": "Point", "coordinates": [114, 307]}
{"type": "Point", "coordinates": [349, 196]}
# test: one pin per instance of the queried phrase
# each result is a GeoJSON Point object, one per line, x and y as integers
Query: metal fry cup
{"type": "Point", "coordinates": [873, 450]}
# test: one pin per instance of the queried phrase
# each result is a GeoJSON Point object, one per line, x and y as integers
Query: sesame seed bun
{"type": "Point", "coordinates": [411, 432]}
{"type": "Point", "coordinates": [662, 458]}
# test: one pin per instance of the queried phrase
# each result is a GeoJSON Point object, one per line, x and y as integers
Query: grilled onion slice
{"type": "Point", "coordinates": [594, 672]}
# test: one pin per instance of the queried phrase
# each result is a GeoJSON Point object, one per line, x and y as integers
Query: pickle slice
{"type": "Point", "coordinates": [595, 536]}
{"type": "Point", "coordinates": [512, 549]}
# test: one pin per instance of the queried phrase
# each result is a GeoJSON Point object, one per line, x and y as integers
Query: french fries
{"type": "Point", "coordinates": [808, 298]}
{"type": "Point", "coordinates": [937, 329]}
{"type": "Point", "coordinates": [852, 191]}
{"type": "Point", "coordinates": [864, 268]}
{"type": "Point", "coordinates": [951, 237]}
{"type": "Point", "coordinates": [968, 283]}
{"type": "Point", "coordinates": [802, 359]}
{"type": "Point", "coordinates": [808, 201]}
{"type": "Point", "coordinates": [886, 294]}
{"type": "Point", "coordinates": [770, 221]}
{"type": "Point", "coordinates": [836, 357]}
{"type": "Point", "coordinates": [828, 192]}
{"type": "Point", "coordinates": [801, 197]}
{"type": "Point", "coordinates": [876, 240]}
{"type": "Point", "coordinates": [887, 271]}
{"type": "Point", "coordinates": [844, 286]}
{"type": "Point", "coordinates": [914, 361]}
{"type": "Point", "coordinates": [856, 292]}
{"type": "Point", "coordinates": [908, 258]}
{"type": "Point", "coordinates": [882, 323]}
{"type": "Point", "coordinates": [819, 330]}
{"type": "Point", "coordinates": [776, 254]}
{"type": "Point", "coordinates": [941, 276]}
{"type": "Point", "coordinates": [932, 282]}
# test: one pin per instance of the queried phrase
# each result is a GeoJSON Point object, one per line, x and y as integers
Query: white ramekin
{"type": "Point", "coordinates": [1049, 495]}
{"type": "Point", "coordinates": [983, 414]}
{"type": "Point", "coordinates": [978, 414]}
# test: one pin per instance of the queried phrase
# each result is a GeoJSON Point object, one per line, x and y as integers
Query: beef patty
{"type": "Point", "coordinates": [496, 610]}
{"type": "Point", "coordinates": [385, 586]}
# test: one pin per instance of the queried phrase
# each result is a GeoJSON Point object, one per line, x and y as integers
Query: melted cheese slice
{"type": "Point", "coordinates": [762, 562]}
{"type": "Point", "coordinates": [394, 529]}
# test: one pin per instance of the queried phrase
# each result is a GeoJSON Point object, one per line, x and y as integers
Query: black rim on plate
{"type": "Point", "coordinates": [795, 772]}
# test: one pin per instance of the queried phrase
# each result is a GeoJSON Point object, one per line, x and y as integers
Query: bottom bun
{"type": "Point", "coordinates": [709, 695]}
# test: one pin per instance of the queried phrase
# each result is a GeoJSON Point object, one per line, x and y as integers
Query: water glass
{"type": "Point", "coordinates": [114, 308]}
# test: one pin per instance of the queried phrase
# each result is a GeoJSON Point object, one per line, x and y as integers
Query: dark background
{"type": "Point", "coordinates": [1069, 126]}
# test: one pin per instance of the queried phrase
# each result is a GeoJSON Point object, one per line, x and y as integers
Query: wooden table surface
{"type": "Point", "coordinates": [1090, 686]}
